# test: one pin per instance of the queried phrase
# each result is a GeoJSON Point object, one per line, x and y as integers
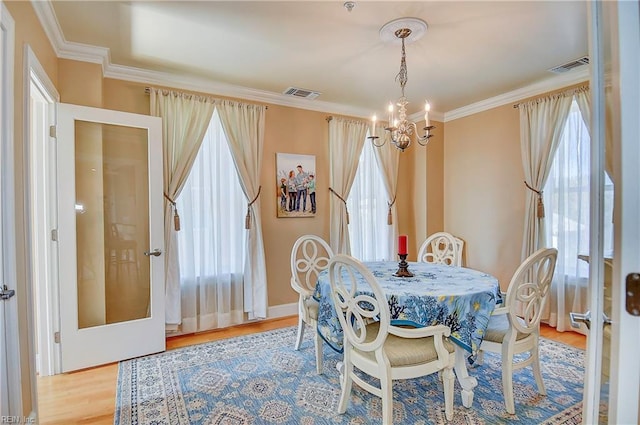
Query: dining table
{"type": "Point", "coordinates": [459, 297]}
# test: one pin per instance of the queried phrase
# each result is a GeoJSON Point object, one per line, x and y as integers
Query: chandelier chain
{"type": "Point", "coordinates": [402, 75]}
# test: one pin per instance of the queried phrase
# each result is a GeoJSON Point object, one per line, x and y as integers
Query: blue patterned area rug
{"type": "Point", "coordinates": [261, 379]}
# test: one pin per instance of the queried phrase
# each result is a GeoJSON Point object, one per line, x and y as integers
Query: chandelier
{"type": "Point", "coordinates": [400, 129]}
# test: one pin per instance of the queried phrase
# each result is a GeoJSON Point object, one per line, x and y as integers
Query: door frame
{"type": "Point", "coordinates": [625, 339]}
{"type": "Point", "coordinates": [45, 308]}
{"type": "Point", "coordinates": [621, 22]}
{"type": "Point", "coordinates": [10, 344]}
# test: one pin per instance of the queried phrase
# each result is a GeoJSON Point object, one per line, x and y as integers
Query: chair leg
{"type": "Point", "coordinates": [300, 332]}
{"type": "Point", "coordinates": [507, 379]}
{"type": "Point", "coordinates": [386, 387]}
{"type": "Point", "coordinates": [537, 372]}
{"type": "Point", "coordinates": [346, 384]}
{"type": "Point", "coordinates": [448, 380]}
{"type": "Point", "coordinates": [318, 345]}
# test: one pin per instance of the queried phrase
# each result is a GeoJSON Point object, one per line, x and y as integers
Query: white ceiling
{"type": "Point", "coordinates": [472, 50]}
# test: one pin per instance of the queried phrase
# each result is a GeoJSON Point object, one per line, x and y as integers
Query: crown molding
{"type": "Point", "coordinates": [100, 55]}
{"type": "Point", "coordinates": [204, 85]}
{"type": "Point", "coordinates": [544, 86]}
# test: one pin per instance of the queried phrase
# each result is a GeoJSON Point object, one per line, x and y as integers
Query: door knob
{"type": "Point", "coordinates": [156, 252]}
{"type": "Point", "coordinates": [577, 318]}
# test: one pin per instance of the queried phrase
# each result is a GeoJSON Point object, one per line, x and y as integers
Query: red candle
{"type": "Point", "coordinates": [402, 244]}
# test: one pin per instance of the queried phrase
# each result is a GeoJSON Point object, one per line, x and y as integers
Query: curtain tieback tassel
{"type": "Point", "coordinates": [176, 217]}
{"type": "Point", "coordinates": [540, 204]}
{"type": "Point", "coordinates": [390, 214]}
{"type": "Point", "coordinates": [247, 219]}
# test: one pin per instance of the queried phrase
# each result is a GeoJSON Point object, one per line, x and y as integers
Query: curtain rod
{"type": "Point", "coordinates": [147, 90]}
{"type": "Point", "coordinates": [563, 93]}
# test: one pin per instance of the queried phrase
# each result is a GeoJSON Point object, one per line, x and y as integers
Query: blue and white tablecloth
{"type": "Point", "coordinates": [458, 297]}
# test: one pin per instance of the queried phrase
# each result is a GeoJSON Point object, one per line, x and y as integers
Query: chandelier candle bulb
{"type": "Point", "coordinates": [390, 113]}
{"type": "Point", "coordinates": [427, 108]}
{"type": "Point", "coordinates": [373, 126]}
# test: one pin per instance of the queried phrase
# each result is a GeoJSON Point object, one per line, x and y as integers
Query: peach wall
{"type": "Point", "coordinates": [484, 191]}
{"type": "Point", "coordinates": [27, 31]}
{"type": "Point", "coordinates": [80, 83]}
{"type": "Point", "coordinates": [420, 199]}
{"type": "Point", "coordinates": [297, 131]}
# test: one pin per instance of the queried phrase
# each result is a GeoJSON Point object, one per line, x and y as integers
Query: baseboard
{"type": "Point", "coordinates": [282, 310]}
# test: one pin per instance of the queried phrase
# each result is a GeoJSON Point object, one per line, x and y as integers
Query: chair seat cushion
{"type": "Point", "coordinates": [498, 327]}
{"type": "Point", "coordinates": [312, 307]}
{"type": "Point", "coordinates": [405, 351]}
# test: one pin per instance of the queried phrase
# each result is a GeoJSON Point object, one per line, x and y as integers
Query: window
{"type": "Point", "coordinates": [211, 242]}
{"type": "Point", "coordinates": [566, 198]}
{"type": "Point", "coordinates": [369, 234]}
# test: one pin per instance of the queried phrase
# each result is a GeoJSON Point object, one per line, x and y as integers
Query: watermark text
{"type": "Point", "coordinates": [15, 419]}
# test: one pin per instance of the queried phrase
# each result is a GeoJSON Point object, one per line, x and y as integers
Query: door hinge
{"type": "Point", "coordinates": [54, 235]}
{"type": "Point", "coordinates": [52, 131]}
{"type": "Point", "coordinates": [56, 337]}
{"type": "Point", "coordinates": [632, 290]}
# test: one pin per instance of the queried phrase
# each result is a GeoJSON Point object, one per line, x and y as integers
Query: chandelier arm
{"type": "Point", "coordinates": [376, 143]}
{"type": "Point", "coordinates": [424, 140]}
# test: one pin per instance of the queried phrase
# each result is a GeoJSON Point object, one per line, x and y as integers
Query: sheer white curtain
{"type": "Point", "coordinates": [369, 234]}
{"type": "Point", "coordinates": [346, 138]}
{"type": "Point", "coordinates": [244, 126]}
{"type": "Point", "coordinates": [388, 159]}
{"type": "Point", "coordinates": [566, 196]}
{"type": "Point", "coordinates": [185, 119]}
{"type": "Point", "coordinates": [211, 241]}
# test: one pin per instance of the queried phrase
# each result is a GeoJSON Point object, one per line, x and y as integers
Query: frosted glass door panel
{"type": "Point", "coordinates": [112, 223]}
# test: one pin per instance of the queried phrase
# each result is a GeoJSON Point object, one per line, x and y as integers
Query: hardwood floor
{"type": "Point", "coordinates": [88, 396]}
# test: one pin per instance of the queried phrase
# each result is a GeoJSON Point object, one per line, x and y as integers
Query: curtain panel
{"type": "Point", "coordinates": [346, 138]}
{"type": "Point", "coordinates": [541, 124]}
{"type": "Point", "coordinates": [185, 119]}
{"type": "Point", "coordinates": [244, 127]}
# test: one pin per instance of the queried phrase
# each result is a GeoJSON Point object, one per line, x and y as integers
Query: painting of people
{"type": "Point", "coordinates": [296, 185]}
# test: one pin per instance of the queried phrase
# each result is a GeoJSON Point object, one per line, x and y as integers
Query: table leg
{"type": "Point", "coordinates": [468, 383]}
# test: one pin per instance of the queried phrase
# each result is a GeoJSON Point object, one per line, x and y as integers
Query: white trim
{"type": "Point", "coordinates": [48, 312]}
{"type": "Point", "coordinates": [86, 53]}
{"type": "Point", "coordinates": [544, 86]}
{"type": "Point", "coordinates": [625, 340]}
{"type": "Point", "coordinates": [7, 189]}
{"type": "Point", "coordinates": [33, 64]}
{"type": "Point", "coordinates": [282, 310]}
{"type": "Point", "coordinates": [593, 366]}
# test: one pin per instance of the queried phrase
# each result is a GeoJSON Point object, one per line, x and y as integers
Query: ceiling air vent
{"type": "Point", "coordinates": [307, 94]}
{"type": "Point", "coordinates": [570, 65]}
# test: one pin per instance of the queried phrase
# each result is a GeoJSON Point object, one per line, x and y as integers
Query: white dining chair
{"type": "Point", "coordinates": [442, 248]}
{"type": "Point", "coordinates": [310, 255]}
{"type": "Point", "coordinates": [514, 328]}
{"type": "Point", "coordinates": [375, 347]}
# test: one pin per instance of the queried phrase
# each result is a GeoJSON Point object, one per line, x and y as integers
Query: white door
{"type": "Point", "coordinates": [110, 232]}
{"type": "Point", "coordinates": [615, 42]}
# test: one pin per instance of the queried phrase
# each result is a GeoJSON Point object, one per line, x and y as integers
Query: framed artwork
{"type": "Point", "coordinates": [296, 185]}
